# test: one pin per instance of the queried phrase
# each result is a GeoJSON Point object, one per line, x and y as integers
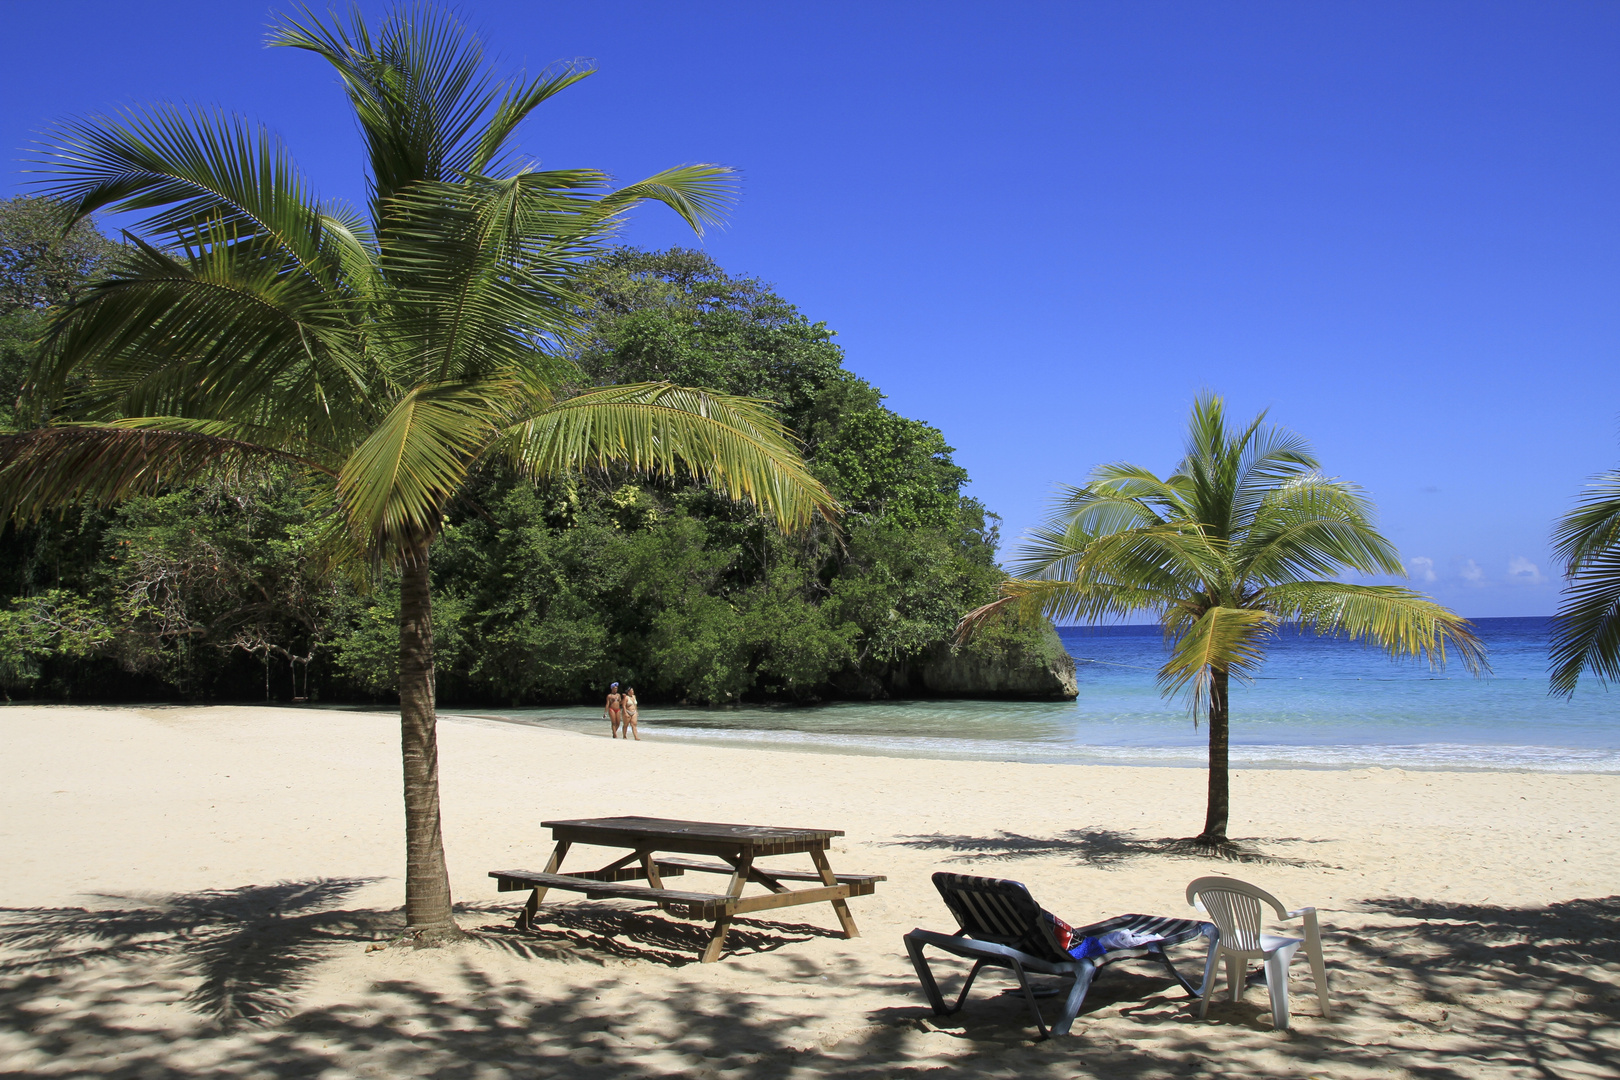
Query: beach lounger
{"type": "Point", "coordinates": [1236, 908]}
{"type": "Point", "coordinates": [1002, 926]}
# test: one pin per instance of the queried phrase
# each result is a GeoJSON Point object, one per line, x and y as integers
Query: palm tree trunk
{"type": "Point", "coordinates": [1219, 792]}
{"type": "Point", "coordinates": [428, 916]}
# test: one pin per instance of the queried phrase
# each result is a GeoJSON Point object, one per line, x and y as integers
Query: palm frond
{"type": "Point", "coordinates": [199, 175]}
{"type": "Point", "coordinates": [95, 465]}
{"type": "Point", "coordinates": [1398, 620]}
{"type": "Point", "coordinates": [1221, 638]}
{"type": "Point", "coordinates": [701, 194]}
{"type": "Point", "coordinates": [220, 334]}
{"type": "Point", "coordinates": [428, 107]}
{"type": "Point", "coordinates": [1592, 528]}
{"type": "Point", "coordinates": [395, 485]}
{"type": "Point", "coordinates": [1064, 602]}
{"type": "Point", "coordinates": [735, 444]}
{"type": "Point", "coordinates": [1585, 634]}
{"type": "Point", "coordinates": [482, 271]}
{"type": "Point", "coordinates": [1310, 526]}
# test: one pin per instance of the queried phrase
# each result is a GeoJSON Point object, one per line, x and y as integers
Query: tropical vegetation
{"type": "Point", "coordinates": [1246, 536]}
{"type": "Point", "coordinates": [382, 358]}
{"type": "Point", "coordinates": [544, 590]}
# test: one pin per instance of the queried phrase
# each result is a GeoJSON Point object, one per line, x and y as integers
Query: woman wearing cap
{"type": "Point", "coordinates": [614, 709]}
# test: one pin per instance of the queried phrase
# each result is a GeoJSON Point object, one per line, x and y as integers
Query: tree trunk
{"type": "Point", "coordinates": [428, 915]}
{"type": "Point", "coordinates": [1219, 792]}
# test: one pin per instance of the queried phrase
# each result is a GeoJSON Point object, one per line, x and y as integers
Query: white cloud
{"type": "Point", "coordinates": [1422, 568]}
{"type": "Point", "coordinates": [1521, 571]}
{"type": "Point", "coordinates": [1472, 572]}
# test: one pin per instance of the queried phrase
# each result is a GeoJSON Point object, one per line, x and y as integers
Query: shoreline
{"type": "Point", "coordinates": [803, 742]}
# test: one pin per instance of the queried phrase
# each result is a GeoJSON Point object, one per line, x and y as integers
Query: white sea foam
{"type": "Point", "coordinates": [1432, 756]}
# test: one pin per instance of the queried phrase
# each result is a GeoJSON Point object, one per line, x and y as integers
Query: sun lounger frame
{"type": "Point", "coordinates": [1022, 909]}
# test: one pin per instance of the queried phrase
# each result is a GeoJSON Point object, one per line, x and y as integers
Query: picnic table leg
{"type": "Point", "coordinates": [827, 878]}
{"type": "Point", "coordinates": [525, 919]}
{"type": "Point", "coordinates": [722, 925]}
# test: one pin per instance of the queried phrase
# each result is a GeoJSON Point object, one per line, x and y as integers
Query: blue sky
{"type": "Point", "coordinates": [1046, 227]}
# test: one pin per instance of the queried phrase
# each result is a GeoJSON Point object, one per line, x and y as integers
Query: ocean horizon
{"type": "Point", "coordinates": [1316, 703]}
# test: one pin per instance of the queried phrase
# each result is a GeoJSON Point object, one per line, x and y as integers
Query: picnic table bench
{"type": "Point", "coordinates": [737, 846]}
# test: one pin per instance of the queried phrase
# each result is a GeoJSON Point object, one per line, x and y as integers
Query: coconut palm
{"type": "Point", "coordinates": [386, 356]}
{"type": "Point", "coordinates": [1242, 539]}
{"type": "Point", "coordinates": [1586, 630]}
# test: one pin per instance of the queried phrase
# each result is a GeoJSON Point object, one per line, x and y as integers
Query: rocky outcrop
{"type": "Point", "coordinates": [1032, 665]}
{"type": "Point", "coordinates": [1025, 662]}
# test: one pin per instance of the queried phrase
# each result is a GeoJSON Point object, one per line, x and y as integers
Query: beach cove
{"type": "Point", "coordinates": [201, 891]}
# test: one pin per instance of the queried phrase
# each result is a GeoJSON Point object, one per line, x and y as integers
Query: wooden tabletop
{"type": "Point", "coordinates": [700, 837]}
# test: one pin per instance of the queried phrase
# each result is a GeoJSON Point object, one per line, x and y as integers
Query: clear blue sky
{"type": "Point", "coordinates": [1045, 227]}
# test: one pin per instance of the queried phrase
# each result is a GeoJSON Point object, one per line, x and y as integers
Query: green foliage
{"type": "Point", "coordinates": [1586, 631]}
{"type": "Point", "coordinates": [547, 591]}
{"type": "Point", "coordinates": [57, 623]}
{"type": "Point", "coordinates": [44, 264]}
{"type": "Point", "coordinates": [1240, 539]}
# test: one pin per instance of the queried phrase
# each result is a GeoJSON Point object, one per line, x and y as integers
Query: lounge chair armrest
{"type": "Point", "coordinates": [1301, 911]}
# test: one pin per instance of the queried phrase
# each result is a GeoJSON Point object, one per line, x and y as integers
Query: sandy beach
{"type": "Point", "coordinates": [204, 892]}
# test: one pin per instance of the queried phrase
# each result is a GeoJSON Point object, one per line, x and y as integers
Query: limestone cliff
{"type": "Point", "coordinates": [1025, 662]}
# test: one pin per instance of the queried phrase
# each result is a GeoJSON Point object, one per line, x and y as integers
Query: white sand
{"type": "Point", "coordinates": [1453, 947]}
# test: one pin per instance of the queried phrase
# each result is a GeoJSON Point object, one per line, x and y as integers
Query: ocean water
{"type": "Point", "coordinates": [1317, 703]}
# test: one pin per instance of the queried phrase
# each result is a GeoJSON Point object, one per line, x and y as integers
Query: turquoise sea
{"type": "Point", "coordinates": [1318, 703]}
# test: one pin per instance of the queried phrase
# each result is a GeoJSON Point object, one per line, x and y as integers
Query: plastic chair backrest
{"type": "Point", "coordinates": [997, 910]}
{"type": "Point", "coordinates": [1235, 908]}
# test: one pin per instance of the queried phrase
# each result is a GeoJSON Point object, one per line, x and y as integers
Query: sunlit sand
{"type": "Point", "coordinates": [202, 891]}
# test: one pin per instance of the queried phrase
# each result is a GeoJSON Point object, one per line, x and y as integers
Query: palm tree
{"type": "Point", "coordinates": [1586, 630]}
{"type": "Point", "coordinates": [385, 357]}
{"type": "Point", "coordinates": [1239, 540]}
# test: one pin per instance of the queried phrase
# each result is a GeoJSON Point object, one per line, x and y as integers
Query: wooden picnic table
{"type": "Point", "coordinates": [737, 846]}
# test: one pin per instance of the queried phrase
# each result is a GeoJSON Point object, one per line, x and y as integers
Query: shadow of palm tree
{"type": "Point", "coordinates": [1102, 847]}
{"type": "Point", "coordinates": [252, 946]}
{"type": "Point", "coordinates": [1536, 985]}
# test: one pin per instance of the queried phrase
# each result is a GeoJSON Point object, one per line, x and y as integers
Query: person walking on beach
{"type": "Point", "coordinates": [629, 713]}
{"type": "Point", "coordinates": [614, 709]}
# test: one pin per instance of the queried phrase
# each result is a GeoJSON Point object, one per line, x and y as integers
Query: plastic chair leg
{"type": "Point", "coordinates": [1319, 973]}
{"type": "Point", "coordinates": [1076, 998]}
{"type": "Point", "coordinates": [1237, 971]}
{"type": "Point", "coordinates": [1277, 984]}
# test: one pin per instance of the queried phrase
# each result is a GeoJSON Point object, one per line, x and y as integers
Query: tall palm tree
{"type": "Point", "coordinates": [1239, 541]}
{"type": "Point", "coordinates": [384, 356]}
{"type": "Point", "coordinates": [1586, 630]}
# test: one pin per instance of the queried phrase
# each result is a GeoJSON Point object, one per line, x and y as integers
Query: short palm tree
{"type": "Point", "coordinates": [1242, 539]}
{"type": "Point", "coordinates": [1586, 630]}
{"type": "Point", "coordinates": [385, 356]}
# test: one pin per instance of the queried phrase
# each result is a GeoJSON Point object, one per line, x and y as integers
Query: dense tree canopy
{"type": "Point", "coordinates": [546, 591]}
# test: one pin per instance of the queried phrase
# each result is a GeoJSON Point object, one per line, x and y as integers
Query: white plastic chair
{"type": "Point", "coordinates": [1235, 908]}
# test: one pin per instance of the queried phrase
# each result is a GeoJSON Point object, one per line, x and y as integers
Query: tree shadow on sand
{"type": "Point", "coordinates": [252, 947]}
{"type": "Point", "coordinates": [1540, 986]}
{"type": "Point", "coordinates": [1435, 991]}
{"type": "Point", "coordinates": [1104, 848]}
{"type": "Point", "coordinates": [593, 932]}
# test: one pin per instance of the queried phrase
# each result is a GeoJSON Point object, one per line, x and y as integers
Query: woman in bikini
{"type": "Point", "coordinates": [629, 713]}
{"type": "Point", "coordinates": [614, 709]}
